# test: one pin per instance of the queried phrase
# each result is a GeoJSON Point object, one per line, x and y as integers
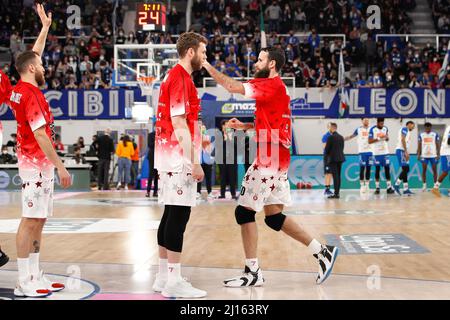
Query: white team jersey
{"type": "Point", "coordinates": [404, 132]}
{"type": "Point", "coordinates": [445, 147]}
{"type": "Point", "coordinates": [428, 144]}
{"type": "Point", "coordinates": [363, 139]}
{"type": "Point", "coordinates": [380, 147]}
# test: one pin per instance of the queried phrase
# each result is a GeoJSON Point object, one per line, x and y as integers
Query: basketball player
{"type": "Point", "coordinates": [5, 91]}
{"type": "Point", "coordinates": [428, 152]}
{"type": "Point", "coordinates": [177, 161]}
{"type": "Point", "coordinates": [37, 161]}
{"type": "Point", "coordinates": [445, 161]}
{"type": "Point", "coordinates": [326, 168]}
{"type": "Point", "coordinates": [402, 152]}
{"type": "Point", "coordinates": [265, 185]}
{"type": "Point", "coordinates": [378, 138]}
{"type": "Point", "coordinates": [365, 154]}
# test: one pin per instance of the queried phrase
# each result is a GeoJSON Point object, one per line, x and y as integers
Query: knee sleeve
{"type": "Point", "coordinates": [377, 173]}
{"type": "Point", "coordinates": [368, 173]}
{"type": "Point", "coordinates": [275, 221]}
{"type": "Point", "coordinates": [177, 220]}
{"type": "Point", "coordinates": [162, 226]}
{"type": "Point", "coordinates": [361, 173]}
{"type": "Point", "coordinates": [405, 171]}
{"type": "Point", "coordinates": [244, 215]}
{"type": "Point", "coordinates": [387, 172]}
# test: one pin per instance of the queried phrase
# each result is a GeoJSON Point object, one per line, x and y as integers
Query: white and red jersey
{"type": "Point", "coordinates": [178, 96]}
{"type": "Point", "coordinates": [272, 119]}
{"type": "Point", "coordinates": [32, 112]}
{"type": "Point", "coordinates": [5, 91]}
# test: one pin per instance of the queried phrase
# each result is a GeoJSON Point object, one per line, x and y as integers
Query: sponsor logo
{"type": "Point", "coordinates": [228, 108]}
{"type": "Point", "coordinates": [396, 243]}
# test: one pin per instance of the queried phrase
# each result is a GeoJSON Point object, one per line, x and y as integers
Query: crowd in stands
{"type": "Point", "coordinates": [84, 58]}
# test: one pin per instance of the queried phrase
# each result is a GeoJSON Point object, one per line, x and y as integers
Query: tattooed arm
{"type": "Point", "coordinates": [225, 81]}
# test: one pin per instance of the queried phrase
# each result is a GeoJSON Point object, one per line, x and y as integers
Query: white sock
{"type": "Point", "coordinates": [377, 184]}
{"type": "Point", "coordinates": [173, 272]}
{"type": "Point", "coordinates": [23, 264]}
{"type": "Point", "coordinates": [397, 183]}
{"type": "Point", "coordinates": [437, 184]}
{"type": "Point", "coordinates": [424, 186]}
{"type": "Point", "coordinates": [163, 268]}
{"type": "Point", "coordinates": [362, 183]}
{"type": "Point", "coordinates": [388, 184]}
{"type": "Point", "coordinates": [252, 264]}
{"type": "Point", "coordinates": [405, 186]}
{"type": "Point", "coordinates": [34, 264]}
{"type": "Point", "coordinates": [315, 246]}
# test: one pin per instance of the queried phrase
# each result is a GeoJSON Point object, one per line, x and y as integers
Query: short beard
{"type": "Point", "coordinates": [263, 73]}
{"type": "Point", "coordinates": [40, 80]}
{"type": "Point", "coordinates": [196, 63]}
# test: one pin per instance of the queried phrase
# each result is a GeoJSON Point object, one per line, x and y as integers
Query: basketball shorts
{"type": "Point", "coordinates": [365, 159]}
{"type": "Point", "coordinates": [261, 188]}
{"type": "Point", "coordinates": [401, 157]}
{"type": "Point", "coordinates": [381, 160]}
{"type": "Point", "coordinates": [445, 163]}
{"type": "Point", "coordinates": [37, 195]}
{"type": "Point", "coordinates": [177, 188]}
{"type": "Point", "coordinates": [430, 161]}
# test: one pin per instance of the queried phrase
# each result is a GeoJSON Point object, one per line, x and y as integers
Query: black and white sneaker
{"type": "Point", "coordinates": [326, 258]}
{"type": "Point", "coordinates": [3, 258]}
{"type": "Point", "coordinates": [247, 279]}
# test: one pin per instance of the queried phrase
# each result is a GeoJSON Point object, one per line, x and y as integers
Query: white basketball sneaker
{"type": "Point", "coordinates": [50, 285]}
{"type": "Point", "coordinates": [160, 283]}
{"type": "Point", "coordinates": [182, 289]}
{"type": "Point", "coordinates": [247, 279]}
{"type": "Point", "coordinates": [326, 258]}
{"type": "Point", "coordinates": [31, 288]}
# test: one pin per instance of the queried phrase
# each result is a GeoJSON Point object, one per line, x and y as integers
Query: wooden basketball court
{"type": "Point", "coordinates": [391, 247]}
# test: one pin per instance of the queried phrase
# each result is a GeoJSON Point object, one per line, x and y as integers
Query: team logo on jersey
{"type": "Point", "coordinates": [15, 97]}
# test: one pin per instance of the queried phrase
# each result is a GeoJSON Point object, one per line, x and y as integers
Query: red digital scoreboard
{"type": "Point", "coordinates": [151, 17]}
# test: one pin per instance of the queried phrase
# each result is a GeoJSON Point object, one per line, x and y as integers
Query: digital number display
{"type": "Point", "coordinates": [151, 16]}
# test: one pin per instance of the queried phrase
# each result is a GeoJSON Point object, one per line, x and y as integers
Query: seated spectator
{"type": "Point", "coordinates": [376, 81]}
{"type": "Point", "coordinates": [58, 144]}
{"type": "Point", "coordinates": [425, 80]}
{"type": "Point", "coordinates": [446, 83]}
{"type": "Point", "coordinates": [5, 157]}
{"type": "Point", "coordinates": [434, 66]}
{"type": "Point", "coordinates": [390, 82]}
{"type": "Point", "coordinates": [78, 157]}
{"type": "Point", "coordinates": [13, 141]}
{"type": "Point", "coordinates": [359, 82]}
{"type": "Point", "coordinates": [80, 142]}
{"type": "Point", "coordinates": [232, 69]}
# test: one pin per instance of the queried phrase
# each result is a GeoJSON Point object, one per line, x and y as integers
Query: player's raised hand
{"type": "Point", "coordinates": [46, 20]}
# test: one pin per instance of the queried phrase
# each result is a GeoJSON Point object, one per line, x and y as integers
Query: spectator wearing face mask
{"type": "Point", "coordinates": [121, 37]}
{"type": "Point", "coordinates": [376, 81]}
{"type": "Point", "coordinates": [402, 82]}
{"type": "Point", "coordinates": [389, 81]}
{"type": "Point", "coordinates": [434, 66]}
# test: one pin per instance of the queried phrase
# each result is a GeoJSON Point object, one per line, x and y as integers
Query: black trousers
{"type": "Point", "coordinates": [336, 168]}
{"type": "Point", "coordinates": [207, 169]}
{"type": "Point", "coordinates": [152, 175]}
{"type": "Point", "coordinates": [103, 173]}
{"type": "Point", "coordinates": [228, 174]}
